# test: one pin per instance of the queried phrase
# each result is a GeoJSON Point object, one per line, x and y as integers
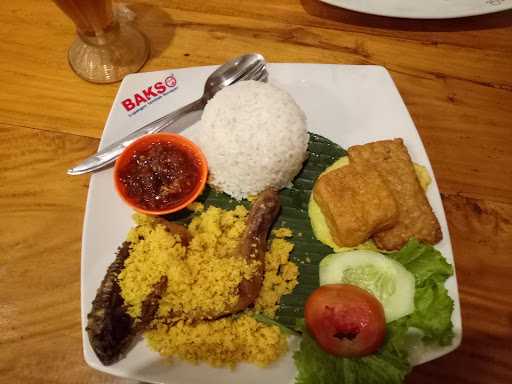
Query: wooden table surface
{"type": "Point", "coordinates": [455, 77]}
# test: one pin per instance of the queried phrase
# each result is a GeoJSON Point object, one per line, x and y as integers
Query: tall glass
{"type": "Point", "coordinates": [105, 50]}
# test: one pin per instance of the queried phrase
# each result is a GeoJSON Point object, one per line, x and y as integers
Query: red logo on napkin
{"type": "Point", "coordinates": [149, 95]}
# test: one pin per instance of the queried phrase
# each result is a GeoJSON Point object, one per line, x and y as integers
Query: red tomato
{"type": "Point", "coordinates": [345, 320]}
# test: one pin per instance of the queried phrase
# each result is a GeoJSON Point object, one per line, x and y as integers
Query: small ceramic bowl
{"type": "Point", "coordinates": [160, 173]}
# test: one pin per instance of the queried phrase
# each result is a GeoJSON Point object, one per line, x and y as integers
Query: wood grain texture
{"type": "Point", "coordinates": [455, 77]}
{"type": "Point", "coordinates": [42, 211]}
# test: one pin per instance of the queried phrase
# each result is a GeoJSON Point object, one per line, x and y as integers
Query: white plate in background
{"type": "Point", "coordinates": [347, 104]}
{"type": "Point", "coordinates": [424, 9]}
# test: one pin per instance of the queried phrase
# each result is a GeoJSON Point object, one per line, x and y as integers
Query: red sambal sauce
{"type": "Point", "coordinates": [160, 176]}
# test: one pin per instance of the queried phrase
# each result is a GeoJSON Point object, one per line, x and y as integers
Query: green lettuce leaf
{"type": "Point", "coordinates": [433, 313]}
{"type": "Point", "coordinates": [433, 305]}
{"type": "Point", "coordinates": [389, 365]}
{"type": "Point", "coordinates": [424, 261]}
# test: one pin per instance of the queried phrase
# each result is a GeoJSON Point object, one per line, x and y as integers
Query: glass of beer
{"type": "Point", "coordinates": [105, 50]}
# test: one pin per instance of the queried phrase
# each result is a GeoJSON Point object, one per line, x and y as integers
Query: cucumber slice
{"type": "Point", "coordinates": [385, 278]}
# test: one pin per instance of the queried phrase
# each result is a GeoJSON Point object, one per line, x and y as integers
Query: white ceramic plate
{"type": "Point", "coordinates": [424, 9]}
{"type": "Point", "coordinates": [347, 104]}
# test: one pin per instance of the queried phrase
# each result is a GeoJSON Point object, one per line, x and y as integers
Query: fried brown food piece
{"type": "Point", "coordinates": [176, 229]}
{"type": "Point", "coordinates": [253, 245]}
{"type": "Point", "coordinates": [111, 330]}
{"type": "Point", "coordinates": [356, 203]}
{"type": "Point", "coordinates": [109, 327]}
{"type": "Point", "coordinates": [415, 217]}
{"type": "Point", "coordinates": [151, 304]}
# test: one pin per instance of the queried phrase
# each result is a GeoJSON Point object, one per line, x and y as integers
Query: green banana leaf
{"type": "Point", "coordinates": [308, 251]}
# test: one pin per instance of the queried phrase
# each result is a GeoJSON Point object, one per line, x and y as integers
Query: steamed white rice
{"type": "Point", "coordinates": [254, 136]}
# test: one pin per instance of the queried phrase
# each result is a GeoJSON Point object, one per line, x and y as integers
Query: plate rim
{"type": "Point", "coordinates": [420, 15]}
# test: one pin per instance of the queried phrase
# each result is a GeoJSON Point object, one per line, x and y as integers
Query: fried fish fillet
{"type": "Point", "coordinates": [356, 203]}
{"type": "Point", "coordinates": [391, 160]}
{"type": "Point", "coordinates": [110, 328]}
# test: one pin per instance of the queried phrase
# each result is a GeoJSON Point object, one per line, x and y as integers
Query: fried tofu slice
{"type": "Point", "coordinates": [391, 160]}
{"type": "Point", "coordinates": [356, 203]}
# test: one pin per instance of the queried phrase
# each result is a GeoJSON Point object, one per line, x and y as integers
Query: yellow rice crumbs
{"type": "Point", "coordinates": [280, 277]}
{"type": "Point", "coordinates": [282, 232]}
{"type": "Point", "coordinates": [196, 207]}
{"type": "Point", "coordinates": [203, 278]}
{"type": "Point", "coordinates": [223, 342]}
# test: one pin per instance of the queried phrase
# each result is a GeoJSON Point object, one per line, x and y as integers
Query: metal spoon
{"type": "Point", "coordinates": [246, 67]}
